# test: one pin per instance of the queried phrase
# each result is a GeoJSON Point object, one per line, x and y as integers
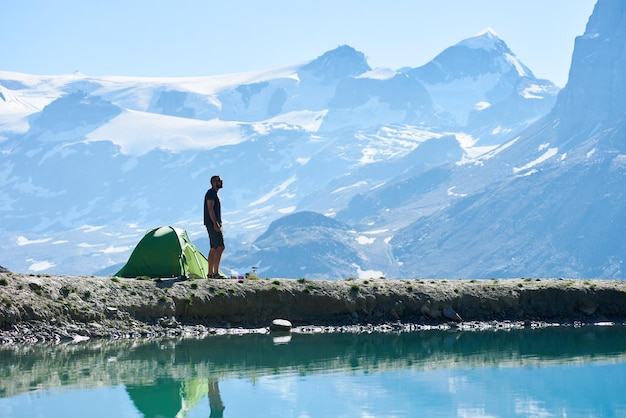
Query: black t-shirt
{"type": "Point", "coordinates": [211, 194]}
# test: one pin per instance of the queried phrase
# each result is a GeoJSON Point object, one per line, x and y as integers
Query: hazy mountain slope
{"type": "Point", "coordinates": [557, 205]}
{"type": "Point", "coordinates": [304, 244]}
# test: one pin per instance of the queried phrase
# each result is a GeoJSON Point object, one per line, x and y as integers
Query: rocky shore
{"type": "Point", "coordinates": [47, 308]}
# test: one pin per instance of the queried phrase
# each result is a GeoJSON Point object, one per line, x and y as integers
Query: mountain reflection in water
{"type": "Point", "coordinates": [169, 378]}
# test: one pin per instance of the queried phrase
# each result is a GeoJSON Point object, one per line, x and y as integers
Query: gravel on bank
{"type": "Point", "coordinates": [48, 308]}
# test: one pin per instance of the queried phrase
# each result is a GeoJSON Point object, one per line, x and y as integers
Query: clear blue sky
{"type": "Point", "coordinates": [207, 37]}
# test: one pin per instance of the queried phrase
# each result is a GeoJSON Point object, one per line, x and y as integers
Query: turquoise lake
{"type": "Point", "coordinates": [546, 372]}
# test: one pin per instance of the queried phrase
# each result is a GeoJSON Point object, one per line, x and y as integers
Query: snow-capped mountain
{"type": "Point", "coordinates": [485, 87]}
{"type": "Point", "coordinates": [88, 164]}
{"type": "Point", "coordinates": [555, 204]}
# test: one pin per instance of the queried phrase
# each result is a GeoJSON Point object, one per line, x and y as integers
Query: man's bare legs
{"type": "Point", "coordinates": [215, 256]}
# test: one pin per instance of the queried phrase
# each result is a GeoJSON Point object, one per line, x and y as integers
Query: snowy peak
{"type": "Point", "coordinates": [486, 39]}
{"type": "Point", "coordinates": [342, 62]}
{"type": "Point", "coordinates": [479, 55]}
{"type": "Point", "coordinates": [484, 74]}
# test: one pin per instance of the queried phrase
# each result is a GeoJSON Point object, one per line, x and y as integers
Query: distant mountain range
{"type": "Point", "coordinates": [468, 166]}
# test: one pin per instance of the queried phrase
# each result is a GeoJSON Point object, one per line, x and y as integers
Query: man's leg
{"type": "Point", "coordinates": [218, 258]}
{"type": "Point", "coordinates": [212, 261]}
{"type": "Point", "coordinates": [215, 256]}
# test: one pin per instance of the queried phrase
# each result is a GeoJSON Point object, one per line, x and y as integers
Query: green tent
{"type": "Point", "coordinates": [165, 252]}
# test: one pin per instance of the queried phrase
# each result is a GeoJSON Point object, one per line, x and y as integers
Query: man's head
{"type": "Point", "coordinates": [216, 182]}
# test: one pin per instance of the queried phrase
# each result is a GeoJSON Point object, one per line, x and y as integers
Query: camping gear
{"type": "Point", "coordinates": [166, 252]}
{"type": "Point", "coordinates": [252, 275]}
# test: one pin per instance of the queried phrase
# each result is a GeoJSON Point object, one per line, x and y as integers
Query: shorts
{"type": "Point", "coordinates": [216, 238]}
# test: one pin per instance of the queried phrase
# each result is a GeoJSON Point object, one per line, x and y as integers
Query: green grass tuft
{"type": "Point", "coordinates": [65, 290]}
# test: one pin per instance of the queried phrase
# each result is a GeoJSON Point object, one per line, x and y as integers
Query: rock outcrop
{"type": "Point", "coordinates": [93, 307]}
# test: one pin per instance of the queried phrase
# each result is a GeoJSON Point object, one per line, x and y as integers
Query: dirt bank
{"type": "Point", "coordinates": [35, 308]}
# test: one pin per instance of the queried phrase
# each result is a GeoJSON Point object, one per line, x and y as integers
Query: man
{"type": "Point", "coordinates": [213, 223]}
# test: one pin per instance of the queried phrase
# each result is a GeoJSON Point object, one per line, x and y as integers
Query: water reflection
{"type": "Point", "coordinates": [168, 397]}
{"type": "Point", "coordinates": [440, 373]}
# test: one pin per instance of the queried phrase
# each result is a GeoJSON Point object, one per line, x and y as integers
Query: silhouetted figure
{"type": "Point", "coordinates": [215, 400]}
